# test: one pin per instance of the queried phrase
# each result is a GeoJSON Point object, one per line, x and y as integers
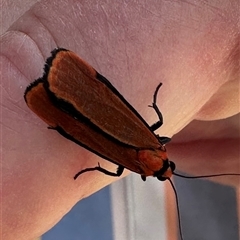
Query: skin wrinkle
{"type": "Point", "coordinates": [38, 18]}
{"type": "Point", "coordinates": [12, 59]}
{"type": "Point", "coordinates": [18, 7]}
{"type": "Point", "coordinates": [15, 66]}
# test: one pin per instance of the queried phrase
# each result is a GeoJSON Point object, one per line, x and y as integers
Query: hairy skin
{"type": "Point", "coordinates": [193, 49]}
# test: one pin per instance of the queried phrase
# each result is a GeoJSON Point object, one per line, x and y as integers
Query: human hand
{"type": "Point", "coordinates": [135, 48]}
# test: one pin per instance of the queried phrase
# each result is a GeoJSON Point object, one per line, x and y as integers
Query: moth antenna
{"type": "Point", "coordinates": [178, 211]}
{"type": "Point", "coordinates": [207, 176]}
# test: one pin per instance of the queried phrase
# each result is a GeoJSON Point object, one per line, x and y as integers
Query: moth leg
{"type": "Point", "coordinates": [143, 177]}
{"type": "Point", "coordinates": [120, 168]}
{"type": "Point", "coordinates": [159, 123]}
{"type": "Point", "coordinates": [164, 140]}
{"type": "Point", "coordinates": [118, 173]}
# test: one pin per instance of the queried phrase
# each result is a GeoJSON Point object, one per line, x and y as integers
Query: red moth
{"type": "Point", "coordinates": [83, 106]}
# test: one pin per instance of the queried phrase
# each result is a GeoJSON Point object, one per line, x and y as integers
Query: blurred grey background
{"type": "Point", "coordinates": [134, 210]}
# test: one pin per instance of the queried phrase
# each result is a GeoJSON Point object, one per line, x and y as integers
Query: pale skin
{"type": "Point", "coordinates": [192, 49]}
